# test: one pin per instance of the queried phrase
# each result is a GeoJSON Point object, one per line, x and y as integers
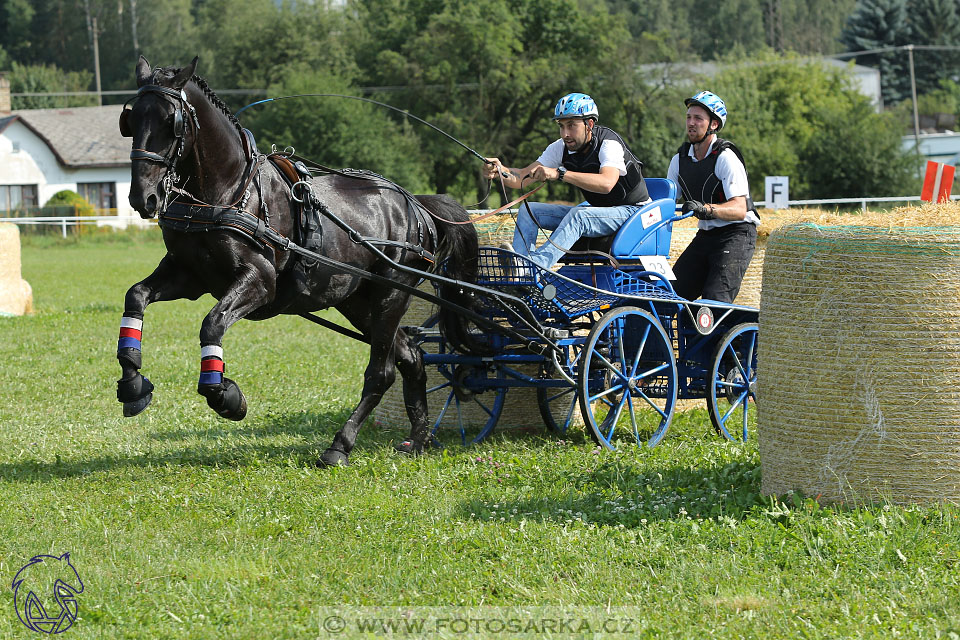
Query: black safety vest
{"type": "Point", "coordinates": [630, 189]}
{"type": "Point", "coordinates": [699, 181]}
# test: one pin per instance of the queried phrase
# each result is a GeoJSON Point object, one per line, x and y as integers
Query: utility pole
{"type": "Point", "coordinates": [913, 92]}
{"type": "Point", "coordinates": [96, 63]}
{"type": "Point", "coordinates": [133, 26]}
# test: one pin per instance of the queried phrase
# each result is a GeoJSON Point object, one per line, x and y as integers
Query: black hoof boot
{"type": "Point", "coordinates": [135, 393]}
{"type": "Point", "coordinates": [333, 458]}
{"type": "Point", "coordinates": [410, 448]}
{"type": "Point", "coordinates": [225, 398]}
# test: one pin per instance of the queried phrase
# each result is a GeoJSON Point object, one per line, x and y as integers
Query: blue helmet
{"type": "Point", "coordinates": [712, 103]}
{"type": "Point", "coordinates": [576, 105]}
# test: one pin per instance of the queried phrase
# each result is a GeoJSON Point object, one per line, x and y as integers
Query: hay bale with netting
{"type": "Point", "coordinates": [16, 296]}
{"type": "Point", "coordinates": [860, 358]}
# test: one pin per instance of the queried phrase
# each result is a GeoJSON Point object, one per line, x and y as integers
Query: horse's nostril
{"type": "Point", "coordinates": [150, 206]}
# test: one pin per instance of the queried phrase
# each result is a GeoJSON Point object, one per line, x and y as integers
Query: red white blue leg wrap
{"type": "Point", "coordinates": [131, 332]}
{"type": "Point", "coordinates": [211, 365]}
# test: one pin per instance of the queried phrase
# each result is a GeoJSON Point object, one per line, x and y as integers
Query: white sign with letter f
{"type": "Point", "coordinates": [777, 192]}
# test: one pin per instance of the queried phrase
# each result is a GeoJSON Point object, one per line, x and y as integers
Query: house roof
{"type": "Point", "coordinates": [78, 136]}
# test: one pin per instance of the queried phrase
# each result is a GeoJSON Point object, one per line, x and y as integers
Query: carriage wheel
{"type": "Point", "coordinates": [559, 402]}
{"type": "Point", "coordinates": [460, 403]}
{"type": "Point", "coordinates": [627, 384]}
{"type": "Point", "coordinates": [734, 374]}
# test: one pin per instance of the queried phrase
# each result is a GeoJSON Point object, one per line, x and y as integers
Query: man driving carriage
{"type": "Point", "coordinates": [713, 182]}
{"type": "Point", "coordinates": [589, 156]}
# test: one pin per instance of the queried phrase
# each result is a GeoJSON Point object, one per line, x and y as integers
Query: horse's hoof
{"type": "Point", "coordinates": [225, 398]}
{"type": "Point", "coordinates": [409, 447]}
{"type": "Point", "coordinates": [333, 458]}
{"type": "Point", "coordinates": [135, 393]}
{"type": "Point", "coordinates": [131, 409]}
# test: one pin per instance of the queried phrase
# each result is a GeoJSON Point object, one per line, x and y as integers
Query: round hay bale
{"type": "Point", "coordinates": [16, 296]}
{"type": "Point", "coordinates": [860, 358]}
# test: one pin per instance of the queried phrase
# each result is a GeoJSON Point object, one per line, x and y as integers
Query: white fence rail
{"type": "Point", "coordinates": [66, 222]}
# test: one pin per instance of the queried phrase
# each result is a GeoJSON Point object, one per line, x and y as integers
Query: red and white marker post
{"type": "Point", "coordinates": [938, 182]}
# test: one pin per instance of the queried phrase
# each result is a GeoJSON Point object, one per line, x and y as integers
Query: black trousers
{"type": "Point", "coordinates": [712, 266]}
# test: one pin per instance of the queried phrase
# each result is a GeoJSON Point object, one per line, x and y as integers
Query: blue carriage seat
{"type": "Point", "coordinates": [645, 233]}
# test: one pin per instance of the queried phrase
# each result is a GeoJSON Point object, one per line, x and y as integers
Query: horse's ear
{"type": "Point", "coordinates": [143, 71]}
{"type": "Point", "coordinates": [180, 80]}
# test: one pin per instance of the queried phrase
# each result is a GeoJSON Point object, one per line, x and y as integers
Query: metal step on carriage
{"type": "Point", "coordinates": [612, 341]}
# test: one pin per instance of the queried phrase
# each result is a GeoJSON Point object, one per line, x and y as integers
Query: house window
{"type": "Point", "coordinates": [17, 197]}
{"type": "Point", "coordinates": [102, 195]}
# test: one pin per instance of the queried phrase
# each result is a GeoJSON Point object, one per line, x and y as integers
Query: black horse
{"type": "Point", "coordinates": [228, 214]}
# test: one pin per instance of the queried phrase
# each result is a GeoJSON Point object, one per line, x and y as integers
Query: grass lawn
{"type": "Point", "coordinates": [184, 525]}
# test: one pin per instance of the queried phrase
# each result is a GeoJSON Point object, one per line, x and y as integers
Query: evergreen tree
{"type": "Point", "coordinates": [878, 24]}
{"type": "Point", "coordinates": [934, 22]}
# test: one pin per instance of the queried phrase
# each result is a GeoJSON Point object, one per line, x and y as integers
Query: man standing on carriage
{"type": "Point", "coordinates": [713, 182]}
{"type": "Point", "coordinates": [589, 156]}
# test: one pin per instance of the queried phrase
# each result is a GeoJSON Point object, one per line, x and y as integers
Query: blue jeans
{"type": "Point", "coordinates": [568, 224]}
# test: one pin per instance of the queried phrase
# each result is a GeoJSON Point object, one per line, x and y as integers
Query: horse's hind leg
{"type": "Point", "coordinates": [167, 282]}
{"type": "Point", "coordinates": [251, 291]}
{"type": "Point", "coordinates": [379, 323]}
{"type": "Point", "coordinates": [410, 364]}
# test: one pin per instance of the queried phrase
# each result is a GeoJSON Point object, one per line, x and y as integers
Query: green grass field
{"type": "Point", "coordinates": [184, 525]}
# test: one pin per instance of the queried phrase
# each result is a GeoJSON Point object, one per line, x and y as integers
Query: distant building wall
{"type": "Point", "coordinates": [939, 147]}
{"type": "Point", "coordinates": [25, 159]}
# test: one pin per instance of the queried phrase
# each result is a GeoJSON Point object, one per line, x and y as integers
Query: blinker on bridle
{"type": "Point", "coordinates": [180, 102]}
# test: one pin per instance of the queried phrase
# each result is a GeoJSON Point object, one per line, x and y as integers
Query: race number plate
{"type": "Point", "coordinates": [658, 264]}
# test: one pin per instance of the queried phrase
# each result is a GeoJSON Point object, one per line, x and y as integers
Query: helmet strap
{"type": "Point", "coordinates": [704, 137]}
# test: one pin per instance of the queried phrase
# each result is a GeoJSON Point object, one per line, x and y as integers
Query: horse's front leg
{"type": "Point", "coordinates": [252, 290]}
{"type": "Point", "coordinates": [167, 282]}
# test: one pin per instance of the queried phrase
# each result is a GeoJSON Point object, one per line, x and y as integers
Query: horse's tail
{"type": "Point", "coordinates": [457, 253]}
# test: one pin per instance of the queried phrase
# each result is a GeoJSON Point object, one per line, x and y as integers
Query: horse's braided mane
{"type": "Point", "coordinates": [207, 91]}
{"type": "Point", "coordinates": [217, 102]}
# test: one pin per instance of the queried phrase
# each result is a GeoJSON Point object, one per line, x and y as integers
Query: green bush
{"type": "Point", "coordinates": [67, 198]}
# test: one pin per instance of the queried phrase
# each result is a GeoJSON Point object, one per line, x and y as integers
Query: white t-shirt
{"type": "Point", "coordinates": [733, 177]}
{"type": "Point", "coordinates": [611, 155]}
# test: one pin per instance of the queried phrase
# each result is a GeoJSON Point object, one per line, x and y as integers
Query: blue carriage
{"type": "Point", "coordinates": [611, 341]}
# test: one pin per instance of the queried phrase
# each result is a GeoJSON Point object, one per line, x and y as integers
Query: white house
{"type": "Point", "coordinates": [43, 151]}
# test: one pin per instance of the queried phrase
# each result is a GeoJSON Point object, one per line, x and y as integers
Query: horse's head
{"type": "Point", "coordinates": [163, 126]}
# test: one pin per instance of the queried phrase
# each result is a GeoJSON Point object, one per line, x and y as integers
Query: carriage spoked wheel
{"type": "Point", "coordinates": [627, 383]}
{"type": "Point", "coordinates": [467, 410]}
{"type": "Point", "coordinates": [558, 404]}
{"type": "Point", "coordinates": [732, 398]}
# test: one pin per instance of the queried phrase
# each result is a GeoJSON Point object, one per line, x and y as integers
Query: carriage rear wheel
{"type": "Point", "coordinates": [469, 408]}
{"type": "Point", "coordinates": [627, 383]}
{"type": "Point", "coordinates": [732, 397]}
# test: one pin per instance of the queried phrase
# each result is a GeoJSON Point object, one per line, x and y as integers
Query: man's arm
{"type": "Point", "coordinates": [602, 182]}
{"type": "Point", "coordinates": [733, 176]}
{"type": "Point", "coordinates": [733, 209]}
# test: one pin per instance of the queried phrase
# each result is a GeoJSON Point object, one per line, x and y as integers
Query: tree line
{"type": "Point", "coordinates": [489, 72]}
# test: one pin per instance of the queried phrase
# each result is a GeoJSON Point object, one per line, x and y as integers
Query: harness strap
{"type": "Point", "coordinates": [243, 221]}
